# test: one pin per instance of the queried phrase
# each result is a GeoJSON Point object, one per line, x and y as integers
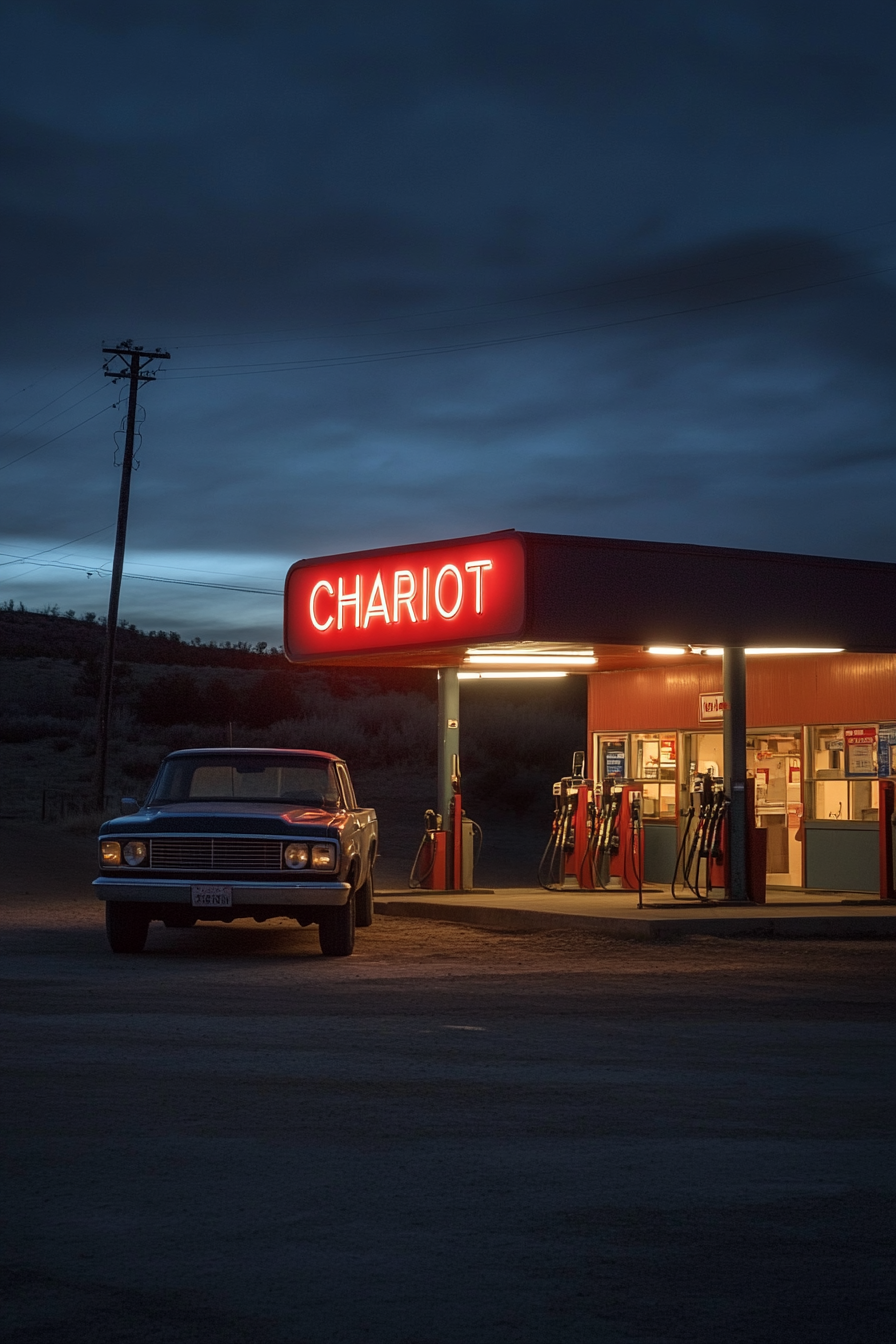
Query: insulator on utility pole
{"type": "Point", "coordinates": [134, 363]}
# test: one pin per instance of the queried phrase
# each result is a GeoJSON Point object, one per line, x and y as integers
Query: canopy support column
{"type": "Point", "coordinates": [449, 738]}
{"type": "Point", "coordinates": [734, 680]}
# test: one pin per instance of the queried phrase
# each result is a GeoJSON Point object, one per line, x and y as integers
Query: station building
{"type": "Point", "coordinates": [700, 661]}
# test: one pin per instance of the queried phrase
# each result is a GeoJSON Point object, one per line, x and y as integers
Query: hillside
{"type": "Point", "coordinates": [516, 737]}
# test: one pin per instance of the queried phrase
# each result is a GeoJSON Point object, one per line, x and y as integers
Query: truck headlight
{"type": "Point", "coordinates": [135, 852]}
{"type": "Point", "coordinates": [296, 856]}
{"type": "Point", "coordinates": [323, 856]}
{"type": "Point", "coordinates": [110, 853]}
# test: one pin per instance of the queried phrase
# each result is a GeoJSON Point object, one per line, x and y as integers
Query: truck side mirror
{"type": "Point", "coordinates": [129, 806]}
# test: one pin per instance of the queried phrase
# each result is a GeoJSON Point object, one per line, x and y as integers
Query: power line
{"type": "Point", "coordinates": [6, 432]}
{"type": "Point", "coordinates": [700, 283]}
{"type": "Point", "coordinates": [100, 569]}
{"type": "Point", "coordinates": [70, 430]}
{"type": "Point", "coordinates": [62, 545]}
{"type": "Point", "coordinates": [80, 402]}
{"type": "Point", "coordinates": [286, 337]}
{"type": "Point", "coordinates": [338, 361]}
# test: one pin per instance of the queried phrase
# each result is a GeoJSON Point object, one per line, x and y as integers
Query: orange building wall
{"type": "Point", "coordinates": [833, 688]}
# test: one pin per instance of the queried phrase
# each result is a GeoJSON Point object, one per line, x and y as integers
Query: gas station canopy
{"type": "Point", "coordinates": [538, 601]}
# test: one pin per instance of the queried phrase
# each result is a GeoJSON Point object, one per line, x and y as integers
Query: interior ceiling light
{"type": "Point", "coordinates": [717, 653]}
{"type": "Point", "coordinates": [667, 649]}
{"type": "Point", "coordinates": [482, 676]}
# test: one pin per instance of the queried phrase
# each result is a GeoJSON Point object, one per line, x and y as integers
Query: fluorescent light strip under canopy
{"type": "Point", "coordinates": [664, 650]}
{"type": "Point", "coordinates": [484, 676]}
{"type": "Point", "coordinates": [501, 658]}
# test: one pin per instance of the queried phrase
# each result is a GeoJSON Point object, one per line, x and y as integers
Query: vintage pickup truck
{"type": "Point", "coordinates": [241, 833]}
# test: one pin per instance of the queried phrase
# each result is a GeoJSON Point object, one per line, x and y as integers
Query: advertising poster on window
{"type": "Point", "coordinates": [861, 744]}
{"type": "Point", "coordinates": [614, 763]}
{"type": "Point", "coordinates": [667, 751]}
{"type": "Point", "coordinates": [885, 743]}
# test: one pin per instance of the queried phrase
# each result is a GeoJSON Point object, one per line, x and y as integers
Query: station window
{"type": "Point", "coordinates": [845, 763]}
{"type": "Point", "coordinates": [649, 759]}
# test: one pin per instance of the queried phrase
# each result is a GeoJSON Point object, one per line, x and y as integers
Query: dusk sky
{"type": "Point", "coordinates": [433, 269]}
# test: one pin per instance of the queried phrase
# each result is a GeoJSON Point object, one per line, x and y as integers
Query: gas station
{"type": "Point", "coordinates": [741, 726]}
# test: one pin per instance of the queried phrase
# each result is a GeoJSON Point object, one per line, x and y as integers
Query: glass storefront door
{"type": "Point", "coordinates": [774, 760]}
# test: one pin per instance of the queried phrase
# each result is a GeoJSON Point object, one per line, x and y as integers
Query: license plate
{"type": "Point", "coordinates": [213, 897]}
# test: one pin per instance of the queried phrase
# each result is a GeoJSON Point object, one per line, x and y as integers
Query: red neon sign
{"type": "Point", "coordinates": [457, 592]}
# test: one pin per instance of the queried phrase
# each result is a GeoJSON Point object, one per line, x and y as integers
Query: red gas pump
{"type": "Point", "coordinates": [430, 868]}
{"type": "Point", "coordinates": [757, 851]}
{"type": "Point", "coordinates": [703, 858]}
{"type": "Point", "coordinates": [627, 852]}
{"type": "Point", "coordinates": [577, 859]}
{"type": "Point", "coordinates": [566, 851]}
{"type": "Point", "coordinates": [444, 860]}
{"type": "Point", "coordinates": [597, 837]}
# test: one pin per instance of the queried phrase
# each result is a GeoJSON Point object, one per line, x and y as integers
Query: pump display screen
{"type": "Point", "coordinates": [457, 592]}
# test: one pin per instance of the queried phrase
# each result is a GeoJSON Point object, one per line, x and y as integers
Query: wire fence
{"type": "Point", "coordinates": [64, 805]}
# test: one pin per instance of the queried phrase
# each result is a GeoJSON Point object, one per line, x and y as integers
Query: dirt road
{"type": "Point", "coordinates": [455, 1135]}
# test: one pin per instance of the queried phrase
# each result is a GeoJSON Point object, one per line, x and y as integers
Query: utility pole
{"type": "Point", "coordinates": [134, 362]}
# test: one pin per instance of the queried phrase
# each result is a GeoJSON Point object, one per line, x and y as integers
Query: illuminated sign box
{"type": "Point", "coordinates": [457, 592]}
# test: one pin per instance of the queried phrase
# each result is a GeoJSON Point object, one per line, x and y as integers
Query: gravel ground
{"type": "Point", "coordinates": [455, 1135]}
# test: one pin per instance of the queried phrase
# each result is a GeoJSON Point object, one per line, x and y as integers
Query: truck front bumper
{"type": "Point", "coordinates": [177, 891]}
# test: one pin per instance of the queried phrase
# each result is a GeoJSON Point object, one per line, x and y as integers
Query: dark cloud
{"type": "Point", "coordinates": [431, 269]}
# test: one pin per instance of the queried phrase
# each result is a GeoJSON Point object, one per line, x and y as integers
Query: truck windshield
{"type": "Point", "coordinates": [298, 781]}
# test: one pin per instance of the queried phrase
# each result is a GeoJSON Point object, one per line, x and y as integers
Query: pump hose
{"type": "Point", "coordinates": [416, 880]}
{"type": "Point", "coordinates": [638, 848]}
{"type": "Point", "coordinates": [685, 864]}
{"type": "Point", "coordinates": [713, 850]}
{"type": "Point", "coordinates": [477, 831]}
{"type": "Point", "coordinates": [595, 852]}
{"type": "Point", "coordinates": [548, 878]}
{"type": "Point", "coordinates": [550, 869]}
{"type": "Point", "coordinates": [680, 855]}
{"type": "Point", "coordinates": [692, 863]}
{"type": "Point", "coordinates": [685, 860]}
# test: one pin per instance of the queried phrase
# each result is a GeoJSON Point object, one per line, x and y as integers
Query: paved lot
{"type": "Point", "coordinates": [457, 1135]}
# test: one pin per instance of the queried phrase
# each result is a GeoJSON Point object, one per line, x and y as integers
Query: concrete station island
{"type": "Point", "coordinates": [741, 735]}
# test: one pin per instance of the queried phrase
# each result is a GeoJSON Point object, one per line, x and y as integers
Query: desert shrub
{"type": "Point", "coordinates": [271, 698]}
{"type": "Point", "coordinates": [371, 732]}
{"type": "Point", "coordinates": [173, 698]}
{"type": "Point", "coordinates": [141, 767]}
{"type": "Point", "coordinates": [30, 727]}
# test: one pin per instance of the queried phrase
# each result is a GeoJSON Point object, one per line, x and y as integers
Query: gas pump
{"type": "Point", "coordinates": [702, 853]}
{"type": "Point", "coordinates": [596, 838]}
{"type": "Point", "coordinates": [445, 858]}
{"type": "Point", "coordinates": [702, 861]}
{"type": "Point", "coordinates": [568, 841]}
{"type": "Point", "coordinates": [627, 851]}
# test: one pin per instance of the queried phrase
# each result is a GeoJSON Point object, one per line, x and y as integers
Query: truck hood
{"type": "Point", "coordinates": [237, 817]}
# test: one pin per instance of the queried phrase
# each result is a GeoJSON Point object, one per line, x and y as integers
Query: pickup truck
{"type": "Point", "coordinates": [241, 833]}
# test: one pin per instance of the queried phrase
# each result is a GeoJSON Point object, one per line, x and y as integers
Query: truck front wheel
{"type": "Point", "coordinates": [126, 926]}
{"type": "Point", "coordinates": [336, 929]}
{"type": "Point", "coordinates": [364, 902]}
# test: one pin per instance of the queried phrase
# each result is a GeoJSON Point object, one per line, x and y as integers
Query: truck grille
{"type": "Point", "coordinates": [209, 853]}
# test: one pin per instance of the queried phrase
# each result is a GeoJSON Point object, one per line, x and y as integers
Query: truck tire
{"type": "Point", "coordinates": [126, 926]}
{"type": "Point", "coordinates": [336, 929]}
{"type": "Point", "coordinates": [364, 902]}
